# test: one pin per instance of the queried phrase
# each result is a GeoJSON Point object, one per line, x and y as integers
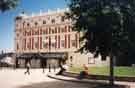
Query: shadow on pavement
{"type": "Point", "coordinates": [65, 84]}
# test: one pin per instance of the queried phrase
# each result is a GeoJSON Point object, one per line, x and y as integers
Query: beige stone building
{"type": "Point", "coordinates": [50, 35]}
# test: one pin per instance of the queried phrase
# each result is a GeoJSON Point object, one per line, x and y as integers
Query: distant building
{"type": "Point", "coordinates": [46, 38]}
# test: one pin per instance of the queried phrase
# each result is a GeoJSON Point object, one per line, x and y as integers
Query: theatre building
{"type": "Point", "coordinates": [48, 39]}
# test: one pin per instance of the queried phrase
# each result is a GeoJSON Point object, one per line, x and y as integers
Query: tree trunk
{"type": "Point", "coordinates": [111, 70]}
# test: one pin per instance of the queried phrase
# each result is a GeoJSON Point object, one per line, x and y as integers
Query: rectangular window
{"type": "Point", "coordinates": [62, 43]}
{"type": "Point", "coordinates": [58, 29]}
{"type": "Point", "coordinates": [36, 42]}
{"type": "Point", "coordinates": [73, 43]}
{"type": "Point", "coordinates": [62, 30]}
{"type": "Point", "coordinates": [91, 60]}
{"type": "Point", "coordinates": [55, 29]}
{"type": "Point", "coordinates": [40, 42]}
{"type": "Point", "coordinates": [104, 59]}
{"type": "Point", "coordinates": [45, 45]}
{"type": "Point", "coordinates": [53, 45]}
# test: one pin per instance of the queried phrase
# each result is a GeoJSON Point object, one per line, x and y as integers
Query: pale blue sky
{"type": "Point", "coordinates": [29, 6]}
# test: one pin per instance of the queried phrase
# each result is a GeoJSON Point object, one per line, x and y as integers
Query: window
{"type": "Point", "coordinates": [36, 32]}
{"type": "Point", "coordinates": [36, 43]}
{"type": "Point", "coordinates": [62, 30]}
{"type": "Point", "coordinates": [55, 29]}
{"type": "Point", "coordinates": [73, 43]}
{"type": "Point", "coordinates": [45, 45]}
{"type": "Point", "coordinates": [17, 46]}
{"type": "Point", "coordinates": [71, 58]}
{"type": "Point", "coordinates": [62, 19]}
{"type": "Point", "coordinates": [53, 21]}
{"type": "Point", "coordinates": [44, 22]}
{"type": "Point", "coordinates": [103, 58]}
{"type": "Point", "coordinates": [91, 60]}
{"type": "Point", "coordinates": [50, 30]}
{"type": "Point", "coordinates": [36, 23]}
{"type": "Point", "coordinates": [59, 29]}
{"type": "Point", "coordinates": [28, 24]}
{"type": "Point", "coordinates": [65, 28]}
{"type": "Point", "coordinates": [44, 31]}
{"type": "Point", "coordinates": [53, 44]}
{"type": "Point", "coordinates": [24, 24]}
{"type": "Point", "coordinates": [69, 28]}
{"type": "Point", "coordinates": [28, 45]}
{"type": "Point", "coordinates": [62, 43]}
{"type": "Point", "coordinates": [17, 35]}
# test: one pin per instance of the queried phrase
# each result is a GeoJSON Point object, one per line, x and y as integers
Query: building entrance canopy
{"type": "Point", "coordinates": [62, 55]}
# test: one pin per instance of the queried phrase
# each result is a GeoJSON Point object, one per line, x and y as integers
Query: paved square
{"type": "Point", "coordinates": [10, 78]}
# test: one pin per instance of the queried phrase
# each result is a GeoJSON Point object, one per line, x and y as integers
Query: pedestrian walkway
{"type": "Point", "coordinates": [71, 79]}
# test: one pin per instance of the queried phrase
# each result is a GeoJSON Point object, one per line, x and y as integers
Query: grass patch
{"type": "Point", "coordinates": [118, 71]}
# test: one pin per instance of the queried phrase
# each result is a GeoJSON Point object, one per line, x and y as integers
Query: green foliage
{"type": "Point", "coordinates": [118, 71]}
{"type": "Point", "coordinates": [108, 25]}
{"type": "Point", "coordinates": [7, 4]}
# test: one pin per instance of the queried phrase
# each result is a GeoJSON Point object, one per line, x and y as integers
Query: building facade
{"type": "Point", "coordinates": [51, 33]}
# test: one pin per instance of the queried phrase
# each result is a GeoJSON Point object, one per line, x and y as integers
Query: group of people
{"type": "Point", "coordinates": [83, 73]}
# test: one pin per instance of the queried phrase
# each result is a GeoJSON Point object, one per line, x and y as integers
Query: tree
{"type": "Point", "coordinates": [7, 4]}
{"type": "Point", "coordinates": [108, 27]}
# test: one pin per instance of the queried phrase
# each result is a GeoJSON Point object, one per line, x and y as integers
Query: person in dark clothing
{"type": "Point", "coordinates": [28, 68]}
{"type": "Point", "coordinates": [62, 69]}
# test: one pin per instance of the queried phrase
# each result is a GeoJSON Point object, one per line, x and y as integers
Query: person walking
{"type": "Point", "coordinates": [28, 68]}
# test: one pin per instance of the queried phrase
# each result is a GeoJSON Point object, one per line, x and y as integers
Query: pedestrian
{"type": "Point", "coordinates": [84, 72]}
{"type": "Point", "coordinates": [28, 68]}
{"type": "Point", "coordinates": [43, 66]}
{"type": "Point", "coordinates": [62, 69]}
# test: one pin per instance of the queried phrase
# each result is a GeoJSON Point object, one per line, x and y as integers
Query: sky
{"type": "Point", "coordinates": [29, 6]}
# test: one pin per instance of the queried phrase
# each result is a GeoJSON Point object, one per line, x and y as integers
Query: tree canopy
{"type": "Point", "coordinates": [108, 25]}
{"type": "Point", "coordinates": [7, 4]}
